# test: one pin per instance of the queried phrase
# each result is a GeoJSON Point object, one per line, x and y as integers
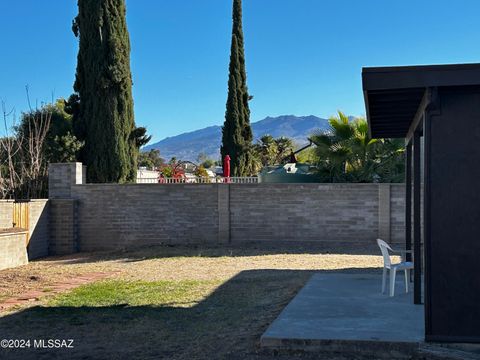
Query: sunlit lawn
{"type": "Point", "coordinates": [137, 293]}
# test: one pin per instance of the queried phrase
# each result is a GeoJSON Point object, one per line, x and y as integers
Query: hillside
{"type": "Point", "coordinates": [188, 146]}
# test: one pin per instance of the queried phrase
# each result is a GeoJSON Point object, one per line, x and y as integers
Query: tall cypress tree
{"type": "Point", "coordinates": [104, 118]}
{"type": "Point", "coordinates": [236, 132]}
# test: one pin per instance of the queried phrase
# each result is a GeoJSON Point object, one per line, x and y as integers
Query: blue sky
{"type": "Point", "coordinates": [303, 56]}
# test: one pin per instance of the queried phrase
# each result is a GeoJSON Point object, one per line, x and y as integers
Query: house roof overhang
{"type": "Point", "coordinates": [393, 95]}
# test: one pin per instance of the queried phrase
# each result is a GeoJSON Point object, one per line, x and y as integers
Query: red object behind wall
{"type": "Point", "coordinates": [226, 168]}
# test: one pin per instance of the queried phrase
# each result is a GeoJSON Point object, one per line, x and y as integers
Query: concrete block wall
{"type": "Point", "coordinates": [63, 223]}
{"type": "Point", "coordinates": [112, 216]}
{"type": "Point", "coordinates": [13, 251]}
{"type": "Point", "coordinates": [121, 216]}
{"type": "Point", "coordinates": [63, 231]}
{"type": "Point", "coordinates": [61, 178]}
{"type": "Point", "coordinates": [224, 232]}
{"type": "Point", "coordinates": [38, 215]}
{"type": "Point", "coordinates": [397, 214]}
{"type": "Point", "coordinates": [38, 228]}
{"type": "Point", "coordinates": [327, 213]}
{"type": "Point", "coordinates": [384, 212]}
{"type": "Point", "coordinates": [6, 214]}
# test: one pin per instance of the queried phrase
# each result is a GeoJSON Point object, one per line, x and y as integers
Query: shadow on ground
{"type": "Point", "coordinates": [209, 250]}
{"type": "Point", "coordinates": [225, 325]}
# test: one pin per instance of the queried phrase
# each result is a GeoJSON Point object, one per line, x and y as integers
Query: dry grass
{"type": "Point", "coordinates": [225, 298]}
{"type": "Point", "coordinates": [172, 263]}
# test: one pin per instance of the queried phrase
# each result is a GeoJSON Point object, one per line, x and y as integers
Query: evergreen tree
{"type": "Point", "coordinates": [104, 106]}
{"type": "Point", "coordinates": [236, 132]}
{"type": "Point", "coordinates": [59, 144]}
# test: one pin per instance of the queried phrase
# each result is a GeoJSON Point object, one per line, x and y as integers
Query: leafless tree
{"type": "Point", "coordinates": [23, 169]}
{"type": "Point", "coordinates": [33, 164]}
{"type": "Point", "coordinates": [10, 146]}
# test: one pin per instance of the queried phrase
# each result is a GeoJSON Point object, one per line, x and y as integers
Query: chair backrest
{"type": "Point", "coordinates": [384, 247]}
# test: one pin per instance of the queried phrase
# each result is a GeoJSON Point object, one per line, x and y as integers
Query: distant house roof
{"type": "Point", "coordinates": [394, 94]}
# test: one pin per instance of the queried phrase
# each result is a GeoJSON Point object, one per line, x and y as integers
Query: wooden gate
{"type": "Point", "coordinates": [21, 216]}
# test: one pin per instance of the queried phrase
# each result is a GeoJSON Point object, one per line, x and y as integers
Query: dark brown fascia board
{"type": "Point", "coordinates": [405, 77]}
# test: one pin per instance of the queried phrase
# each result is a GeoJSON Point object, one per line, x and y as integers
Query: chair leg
{"type": "Point", "coordinates": [407, 276]}
{"type": "Point", "coordinates": [384, 280]}
{"type": "Point", "coordinates": [393, 272]}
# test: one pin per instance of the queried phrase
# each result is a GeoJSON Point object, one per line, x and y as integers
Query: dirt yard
{"type": "Point", "coordinates": [162, 302]}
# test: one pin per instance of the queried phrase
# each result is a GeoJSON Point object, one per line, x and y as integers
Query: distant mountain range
{"type": "Point", "coordinates": [188, 146]}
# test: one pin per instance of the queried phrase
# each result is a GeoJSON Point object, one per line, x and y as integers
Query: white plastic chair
{"type": "Point", "coordinates": [387, 265]}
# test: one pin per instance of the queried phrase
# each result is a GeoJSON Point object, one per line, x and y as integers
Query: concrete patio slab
{"type": "Point", "coordinates": [347, 312]}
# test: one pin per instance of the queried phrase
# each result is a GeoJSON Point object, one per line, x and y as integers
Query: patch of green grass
{"type": "Point", "coordinates": [175, 320]}
{"type": "Point", "coordinates": [136, 293]}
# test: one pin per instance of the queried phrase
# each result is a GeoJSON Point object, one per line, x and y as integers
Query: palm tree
{"type": "Point", "coordinates": [265, 149]}
{"type": "Point", "coordinates": [284, 147]}
{"type": "Point", "coordinates": [271, 151]}
{"type": "Point", "coordinates": [391, 160]}
{"type": "Point", "coordinates": [346, 152]}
